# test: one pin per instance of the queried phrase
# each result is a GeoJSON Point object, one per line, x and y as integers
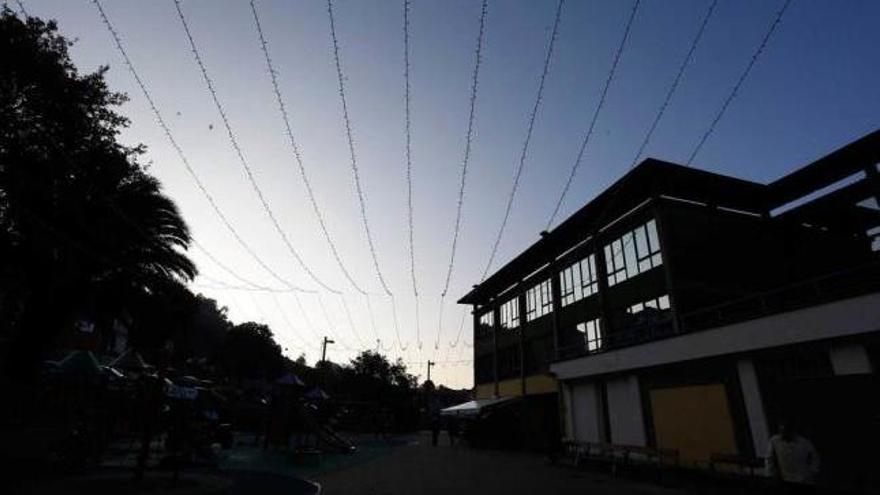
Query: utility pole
{"type": "Point", "coordinates": [430, 363]}
{"type": "Point", "coordinates": [324, 348]}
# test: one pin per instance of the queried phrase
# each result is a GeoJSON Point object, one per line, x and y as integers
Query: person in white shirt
{"type": "Point", "coordinates": [792, 458]}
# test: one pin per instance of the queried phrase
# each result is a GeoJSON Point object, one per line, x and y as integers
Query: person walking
{"type": "Point", "coordinates": [792, 460]}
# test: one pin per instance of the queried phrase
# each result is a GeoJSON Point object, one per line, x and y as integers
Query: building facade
{"type": "Point", "coordinates": [690, 310]}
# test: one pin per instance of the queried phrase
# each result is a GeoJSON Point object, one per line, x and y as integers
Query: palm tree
{"type": "Point", "coordinates": [83, 226]}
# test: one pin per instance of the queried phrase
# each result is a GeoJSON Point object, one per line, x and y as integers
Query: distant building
{"type": "Point", "coordinates": [691, 310]}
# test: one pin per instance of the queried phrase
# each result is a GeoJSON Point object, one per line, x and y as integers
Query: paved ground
{"type": "Point", "coordinates": [418, 468]}
{"type": "Point", "coordinates": [402, 465]}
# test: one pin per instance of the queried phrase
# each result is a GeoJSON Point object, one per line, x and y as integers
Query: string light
{"type": "Point", "coordinates": [525, 147]}
{"type": "Point", "coordinates": [602, 98]}
{"type": "Point", "coordinates": [273, 73]}
{"type": "Point", "coordinates": [166, 130]}
{"type": "Point", "coordinates": [240, 154]}
{"type": "Point", "coordinates": [739, 82]}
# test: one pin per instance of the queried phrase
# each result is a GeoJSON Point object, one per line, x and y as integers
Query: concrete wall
{"type": "Point", "coordinates": [625, 411]}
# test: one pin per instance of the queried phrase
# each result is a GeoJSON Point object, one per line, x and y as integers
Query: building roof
{"type": "Point", "coordinates": [651, 178]}
{"type": "Point", "coordinates": [655, 178]}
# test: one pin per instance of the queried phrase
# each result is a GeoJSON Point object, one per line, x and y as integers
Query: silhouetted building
{"type": "Point", "coordinates": [686, 309]}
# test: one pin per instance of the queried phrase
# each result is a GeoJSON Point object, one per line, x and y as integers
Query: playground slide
{"type": "Point", "coordinates": [333, 440]}
{"type": "Point", "coordinates": [328, 438]}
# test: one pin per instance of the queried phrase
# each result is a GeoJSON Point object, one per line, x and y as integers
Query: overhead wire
{"type": "Point", "coordinates": [618, 54]}
{"type": "Point", "coordinates": [331, 327]}
{"type": "Point", "coordinates": [351, 322]}
{"type": "Point", "coordinates": [675, 82]}
{"type": "Point", "coordinates": [739, 82]}
{"type": "Point", "coordinates": [615, 192]}
{"type": "Point", "coordinates": [525, 147]}
{"type": "Point", "coordinates": [287, 322]}
{"type": "Point", "coordinates": [305, 316]}
{"type": "Point", "coordinates": [349, 134]}
{"type": "Point", "coordinates": [234, 274]}
{"type": "Point", "coordinates": [351, 148]}
{"type": "Point", "coordinates": [460, 328]}
{"type": "Point", "coordinates": [468, 142]}
{"type": "Point", "coordinates": [268, 323]}
{"type": "Point", "coordinates": [475, 79]}
{"type": "Point", "coordinates": [408, 126]}
{"type": "Point", "coordinates": [179, 151]}
{"type": "Point", "coordinates": [408, 159]}
{"type": "Point", "coordinates": [373, 327]}
{"type": "Point", "coordinates": [240, 154]}
{"type": "Point", "coordinates": [295, 148]}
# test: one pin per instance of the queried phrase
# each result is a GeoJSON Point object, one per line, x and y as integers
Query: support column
{"type": "Point", "coordinates": [874, 176]}
{"type": "Point", "coordinates": [495, 325]}
{"type": "Point", "coordinates": [663, 237]}
{"type": "Point", "coordinates": [751, 393]}
{"type": "Point", "coordinates": [602, 279]}
{"type": "Point", "coordinates": [556, 296]}
{"type": "Point", "coordinates": [521, 298]}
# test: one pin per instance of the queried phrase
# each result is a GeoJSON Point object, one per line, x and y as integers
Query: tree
{"type": "Point", "coordinates": [250, 351]}
{"type": "Point", "coordinates": [206, 328]}
{"type": "Point", "coordinates": [376, 366]}
{"type": "Point", "coordinates": [84, 229]}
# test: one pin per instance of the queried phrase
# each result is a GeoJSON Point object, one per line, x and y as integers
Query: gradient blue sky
{"type": "Point", "coordinates": [814, 89]}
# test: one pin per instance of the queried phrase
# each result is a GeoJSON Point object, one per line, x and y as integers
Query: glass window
{"type": "Point", "coordinates": [635, 252]}
{"type": "Point", "coordinates": [510, 314]}
{"type": "Point", "coordinates": [539, 300]}
{"type": "Point", "coordinates": [592, 334]}
{"type": "Point", "coordinates": [487, 322]}
{"type": "Point", "coordinates": [659, 303]}
{"type": "Point", "coordinates": [578, 280]}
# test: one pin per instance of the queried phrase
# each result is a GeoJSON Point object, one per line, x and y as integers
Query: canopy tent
{"type": "Point", "coordinates": [290, 379]}
{"type": "Point", "coordinates": [316, 394]}
{"type": "Point", "coordinates": [129, 360]}
{"type": "Point", "coordinates": [78, 363]}
{"type": "Point", "coordinates": [474, 408]}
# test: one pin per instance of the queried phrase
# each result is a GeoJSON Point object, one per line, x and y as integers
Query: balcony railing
{"type": "Point", "coordinates": [843, 284]}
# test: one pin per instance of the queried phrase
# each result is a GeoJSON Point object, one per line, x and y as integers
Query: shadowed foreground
{"type": "Point", "coordinates": [418, 468]}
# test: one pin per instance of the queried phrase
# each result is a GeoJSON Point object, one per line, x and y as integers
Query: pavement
{"type": "Point", "coordinates": [400, 465]}
{"type": "Point", "coordinates": [418, 468]}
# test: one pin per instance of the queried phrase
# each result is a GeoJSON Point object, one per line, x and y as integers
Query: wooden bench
{"type": "Point", "coordinates": [618, 454]}
{"type": "Point", "coordinates": [742, 463]}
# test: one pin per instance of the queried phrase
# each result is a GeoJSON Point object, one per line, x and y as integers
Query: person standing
{"type": "Point", "coordinates": [452, 429]}
{"type": "Point", "coordinates": [792, 459]}
{"type": "Point", "coordinates": [435, 431]}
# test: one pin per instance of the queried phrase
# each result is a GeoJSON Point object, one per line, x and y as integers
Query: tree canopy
{"type": "Point", "coordinates": [84, 228]}
{"type": "Point", "coordinates": [250, 351]}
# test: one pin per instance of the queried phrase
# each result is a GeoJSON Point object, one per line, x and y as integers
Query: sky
{"type": "Point", "coordinates": [814, 89]}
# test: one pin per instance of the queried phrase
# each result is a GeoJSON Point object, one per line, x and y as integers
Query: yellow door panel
{"type": "Point", "coordinates": [695, 420]}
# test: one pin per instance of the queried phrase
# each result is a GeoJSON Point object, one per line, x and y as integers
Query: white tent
{"type": "Point", "coordinates": [473, 408]}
